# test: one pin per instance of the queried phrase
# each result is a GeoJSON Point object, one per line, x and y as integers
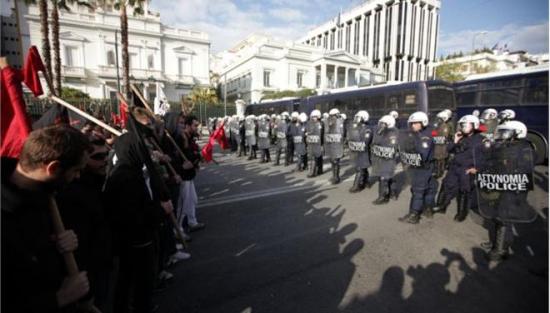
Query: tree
{"type": "Point", "coordinates": [203, 96]}
{"type": "Point", "coordinates": [449, 72]}
{"type": "Point", "coordinates": [72, 93]}
{"type": "Point", "coordinates": [121, 5]}
{"type": "Point", "coordinates": [45, 30]}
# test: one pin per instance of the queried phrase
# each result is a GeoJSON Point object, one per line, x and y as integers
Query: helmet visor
{"type": "Point", "coordinates": [504, 134]}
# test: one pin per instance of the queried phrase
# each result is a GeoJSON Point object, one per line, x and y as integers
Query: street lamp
{"type": "Point", "coordinates": [473, 47]}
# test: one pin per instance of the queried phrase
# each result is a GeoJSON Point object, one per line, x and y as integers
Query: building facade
{"type": "Point", "coordinates": [398, 36]}
{"type": "Point", "coordinates": [493, 61]}
{"type": "Point", "coordinates": [176, 59]}
{"type": "Point", "coordinates": [261, 64]}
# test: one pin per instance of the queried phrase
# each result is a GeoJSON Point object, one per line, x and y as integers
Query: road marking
{"type": "Point", "coordinates": [245, 250]}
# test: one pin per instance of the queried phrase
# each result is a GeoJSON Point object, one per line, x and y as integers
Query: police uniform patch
{"type": "Point", "coordinates": [425, 145]}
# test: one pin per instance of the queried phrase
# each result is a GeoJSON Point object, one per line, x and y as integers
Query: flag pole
{"type": "Point", "coordinates": [136, 91]}
{"type": "Point", "coordinates": [85, 115]}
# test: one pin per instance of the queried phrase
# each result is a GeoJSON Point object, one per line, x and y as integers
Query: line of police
{"type": "Point", "coordinates": [425, 152]}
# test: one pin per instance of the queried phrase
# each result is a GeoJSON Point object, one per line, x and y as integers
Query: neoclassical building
{"type": "Point", "coordinates": [260, 64]}
{"type": "Point", "coordinates": [397, 36]}
{"type": "Point", "coordinates": [177, 59]}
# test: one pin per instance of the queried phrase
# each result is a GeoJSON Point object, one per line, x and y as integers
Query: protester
{"type": "Point", "coordinates": [33, 275]}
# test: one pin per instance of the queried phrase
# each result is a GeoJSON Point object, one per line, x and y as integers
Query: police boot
{"type": "Point", "coordinates": [303, 161]}
{"type": "Point", "coordinates": [383, 194]}
{"type": "Point", "coordinates": [278, 157]}
{"type": "Point", "coordinates": [411, 218]}
{"type": "Point", "coordinates": [251, 154]}
{"type": "Point", "coordinates": [299, 167]}
{"type": "Point", "coordinates": [499, 251]}
{"type": "Point", "coordinates": [366, 183]}
{"type": "Point", "coordinates": [391, 189]}
{"type": "Point", "coordinates": [254, 154]}
{"type": "Point", "coordinates": [319, 163]}
{"type": "Point", "coordinates": [312, 168]}
{"type": "Point", "coordinates": [441, 203]}
{"type": "Point", "coordinates": [428, 212]}
{"type": "Point", "coordinates": [357, 182]}
{"type": "Point", "coordinates": [462, 207]}
{"type": "Point", "coordinates": [268, 157]}
{"type": "Point", "coordinates": [337, 172]}
{"type": "Point", "coordinates": [262, 156]}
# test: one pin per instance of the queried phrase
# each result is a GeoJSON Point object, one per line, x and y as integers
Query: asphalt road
{"type": "Point", "coordinates": [277, 241]}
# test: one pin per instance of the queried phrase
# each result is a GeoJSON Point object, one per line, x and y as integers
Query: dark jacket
{"type": "Point", "coordinates": [467, 151]}
{"type": "Point", "coordinates": [32, 268]}
{"type": "Point", "coordinates": [82, 209]}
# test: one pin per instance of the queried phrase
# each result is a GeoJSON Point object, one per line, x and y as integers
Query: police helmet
{"type": "Point", "coordinates": [506, 115]}
{"type": "Point", "coordinates": [388, 120]}
{"type": "Point", "coordinates": [285, 115]}
{"type": "Point", "coordinates": [475, 113]}
{"type": "Point", "coordinates": [362, 116]}
{"type": "Point", "coordinates": [334, 112]}
{"type": "Point", "coordinates": [315, 113]}
{"type": "Point", "coordinates": [295, 115]}
{"type": "Point", "coordinates": [394, 114]}
{"type": "Point", "coordinates": [343, 116]}
{"type": "Point", "coordinates": [418, 117]}
{"type": "Point", "coordinates": [444, 115]}
{"type": "Point", "coordinates": [303, 117]}
{"type": "Point", "coordinates": [469, 119]}
{"type": "Point", "coordinates": [325, 115]}
{"type": "Point", "coordinates": [489, 114]}
{"type": "Point", "coordinates": [510, 129]}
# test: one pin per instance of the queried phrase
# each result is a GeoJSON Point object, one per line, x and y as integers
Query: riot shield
{"type": "Point", "coordinates": [408, 155]}
{"type": "Point", "coordinates": [359, 138]}
{"type": "Point", "coordinates": [250, 132]}
{"type": "Point", "coordinates": [440, 137]}
{"type": "Point", "coordinates": [313, 139]}
{"type": "Point", "coordinates": [263, 135]}
{"type": "Point", "coordinates": [334, 138]}
{"type": "Point", "coordinates": [505, 186]}
{"type": "Point", "coordinates": [383, 153]}
{"type": "Point", "coordinates": [280, 134]}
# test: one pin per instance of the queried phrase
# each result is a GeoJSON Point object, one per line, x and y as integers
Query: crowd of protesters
{"type": "Point", "coordinates": [128, 204]}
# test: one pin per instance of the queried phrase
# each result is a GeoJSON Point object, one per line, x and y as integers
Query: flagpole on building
{"type": "Point", "coordinates": [225, 94]}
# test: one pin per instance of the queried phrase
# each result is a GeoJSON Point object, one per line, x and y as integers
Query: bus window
{"type": "Point", "coordinates": [536, 91]}
{"type": "Point", "coordinates": [504, 97]}
{"type": "Point", "coordinates": [410, 98]}
{"type": "Point", "coordinates": [440, 97]}
{"type": "Point", "coordinates": [394, 102]}
{"type": "Point", "coordinates": [466, 95]}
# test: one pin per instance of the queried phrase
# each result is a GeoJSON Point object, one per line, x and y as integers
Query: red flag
{"type": "Point", "coordinates": [207, 151]}
{"type": "Point", "coordinates": [33, 64]}
{"type": "Point", "coordinates": [483, 128]}
{"type": "Point", "coordinates": [219, 136]}
{"type": "Point", "coordinates": [15, 122]}
{"type": "Point", "coordinates": [123, 111]}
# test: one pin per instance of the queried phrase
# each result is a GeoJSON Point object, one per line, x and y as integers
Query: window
{"type": "Point", "coordinates": [348, 35]}
{"type": "Point", "coordinates": [150, 62]}
{"type": "Point", "coordinates": [299, 79]}
{"type": "Point", "coordinates": [71, 57]}
{"type": "Point", "coordinates": [134, 60]}
{"type": "Point", "coordinates": [182, 66]}
{"type": "Point", "coordinates": [536, 91]}
{"type": "Point", "coordinates": [267, 76]}
{"type": "Point", "coordinates": [111, 58]}
{"type": "Point", "coordinates": [508, 96]}
{"type": "Point", "coordinates": [356, 37]}
{"type": "Point", "coordinates": [366, 29]}
{"type": "Point", "coordinates": [440, 97]}
{"type": "Point", "coordinates": [339, 37]}
{"type": "Point", "coordinates": [466, 95]}
{"type": "Point", "coordinates": [332, 34]}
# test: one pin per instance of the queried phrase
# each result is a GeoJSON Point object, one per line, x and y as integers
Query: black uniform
{"type": "Point", "coordinates": [384, 148]}
{"type": "Point", "coordinates": [264, 140]}
{"type": "Point", "coordinates": [297, 135]}
{"type": "Point", "coordinates": [442, 134]}
{"type": "Point", "coordinates": [334, 144]}
{"type": "Point", "coordinates": [314, 140]}
{"type": "Point", "coordinates": [359, 140]}
{"type": "Point", "coordinates": [416, 154]}
{"type": "Point", "coordinates": [457, 183]}
{"type": "Point", "coordinates": [281, 133]}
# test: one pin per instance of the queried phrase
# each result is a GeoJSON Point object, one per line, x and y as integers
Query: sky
{"type": "Point", "coordinates": [520, 24]}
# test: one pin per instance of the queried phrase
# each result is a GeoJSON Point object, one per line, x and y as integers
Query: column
{"type": "Point", "coordinates": [335, 83]}
{"type": "Point", "coordinates": [346, 77]}
{"type": "Point", "coordinates": [323, 76]}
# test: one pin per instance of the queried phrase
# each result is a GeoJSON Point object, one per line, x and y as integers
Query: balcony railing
{"type": "Point", "coordinates": [182, 79]}
{"type": "Point", "coordinates": [73, 71]}
{"type": "Point", "coordinates": [110, 71]}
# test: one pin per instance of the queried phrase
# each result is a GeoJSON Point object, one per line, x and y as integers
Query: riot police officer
{"type": "Point", "coordinates": [242, 137]}
{"type": "Point", "coordinates": [384, 148]}
{"type": "Point", "coordinates": [234, 133]}
{"type": "Point", "coordinates": [314, 140]}
{"type": "Point", "coordinates": [489, 122]}
{"type": "Point", "coordinates": [459, 180]}
{"type": "Point", "coordinates": [297, 133]}
{"type": "Point", "coordinates": [360, 137]}
{"type": "Point", "coordinates": [264, 138]}
{"type": "Point", "coordinates": [281, 133]}
{"type": "Point", "coordinates": [441, 136]}
{"type": "Point", "coordinates": [416, 155]}
{"type": "Point", "coordinates": [251, 131]}
{"type": "Point", "coordinates": [293, 118]}
{"type": "Point", "coordinates": [334, 142]}
{"type": "Point", "coordinates": [504, 201]}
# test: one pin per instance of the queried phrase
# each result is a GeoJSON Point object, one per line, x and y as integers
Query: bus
{"type": "Point", "coordinates": [523, 90]}
{"type": "Point", "coordinates": [405, 98]}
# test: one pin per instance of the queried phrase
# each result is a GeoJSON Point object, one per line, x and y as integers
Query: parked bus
{"type": "Point", "coordinates": [523, 90]}
{"type": "Point", "coordinates": [405, 98]}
